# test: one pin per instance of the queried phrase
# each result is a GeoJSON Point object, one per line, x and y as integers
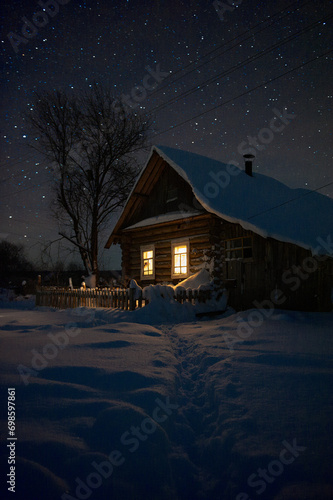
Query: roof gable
{"type": "Point", "coordinates": [150, 176]}
{"type": "Point", "coordinates": [170, 193]}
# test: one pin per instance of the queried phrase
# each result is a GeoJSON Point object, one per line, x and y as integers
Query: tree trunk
{"type": "Point", "coordinates": [94, 250]}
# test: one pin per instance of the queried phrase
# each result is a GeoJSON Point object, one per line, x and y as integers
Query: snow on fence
{"type": "Point", "coordinates": [127, 299]}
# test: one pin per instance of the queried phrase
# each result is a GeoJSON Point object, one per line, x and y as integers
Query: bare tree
{"type": "Point", "coordinates": [93, 144]}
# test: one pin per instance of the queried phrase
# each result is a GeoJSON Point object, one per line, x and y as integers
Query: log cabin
{"type": "Point", "coordinates": [257, 237]}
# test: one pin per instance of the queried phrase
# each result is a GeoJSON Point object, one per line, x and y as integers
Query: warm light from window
{"type": "Point", "coordinates": [180, 259]}
{"type": "Point", "coordinates": [148, 262]}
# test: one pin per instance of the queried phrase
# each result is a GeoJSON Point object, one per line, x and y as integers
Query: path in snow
{"type": "Point", "coordinates": [197, 416]}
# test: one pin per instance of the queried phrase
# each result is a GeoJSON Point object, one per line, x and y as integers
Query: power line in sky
{"type": "Point", "coordinates": [173, 127]}
{"type": "Point", "coordinates": [267, 82]}
{"type": "Point", "coordinates": [271, 21]}
{"type": "Point", "coordinates": [205, 83]}
{"type": "Point", "coordinates": [211, 80]}
{"type": "Point", "coordinates": [239, 65]}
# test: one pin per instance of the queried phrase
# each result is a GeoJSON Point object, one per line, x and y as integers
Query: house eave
{"type": "Point", "coordinates": [168, 220]}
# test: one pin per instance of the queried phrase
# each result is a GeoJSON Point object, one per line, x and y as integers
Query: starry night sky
{"type": "Point", "coordinates": [222, 75]}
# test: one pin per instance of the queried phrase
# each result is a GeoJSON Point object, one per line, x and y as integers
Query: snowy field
{"type": "Point", "coordinates": [156, 405]}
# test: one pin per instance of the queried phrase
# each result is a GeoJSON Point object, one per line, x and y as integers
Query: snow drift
{"type": "Point", "coordinates": [119, 405]}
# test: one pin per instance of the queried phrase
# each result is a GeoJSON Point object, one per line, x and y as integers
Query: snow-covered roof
{"type": "Point", "coordinates": [258, 203]}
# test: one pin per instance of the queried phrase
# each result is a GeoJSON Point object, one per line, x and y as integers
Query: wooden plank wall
{"type": "Point", "coordinates": [281, 266]}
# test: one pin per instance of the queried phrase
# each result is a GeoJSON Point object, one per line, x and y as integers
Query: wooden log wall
{"type": "Point", "coordinates": [274, 265]}
{"type": "Point", "coordinates": [196, 229]}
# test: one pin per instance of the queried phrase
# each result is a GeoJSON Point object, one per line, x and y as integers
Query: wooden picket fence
{"type": "Point", "coordinates": [121, 298]}
{"type": "Point", "coordinates": [64, 298]}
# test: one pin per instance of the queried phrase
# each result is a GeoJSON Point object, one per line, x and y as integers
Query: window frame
{"type": "Point", "coordinates": [147, 248]}
{"type": "Point", "coordinates": [242, 247]}
{"type": "Point", "coordinates": [178, 243]}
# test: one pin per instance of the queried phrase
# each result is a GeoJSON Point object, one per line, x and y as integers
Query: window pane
{"type": "Point", "coordinates": [247, 253]}
{"type": "Point", "coordinates": [238, 248]}
{"type": "Point", "coordinates": [236, 254]}
{"type": "Point", "coordinates": [182, 249]}
{"type": "Point", "coordinates": [148, 262]}
{"type": "Point", "coordinates": [180, 259]}
{"type": "Point", "coordinates": [236, 243]}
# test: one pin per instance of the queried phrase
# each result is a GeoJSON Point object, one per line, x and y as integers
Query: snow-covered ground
{"type": "Point", "coordinates": [154, 404]}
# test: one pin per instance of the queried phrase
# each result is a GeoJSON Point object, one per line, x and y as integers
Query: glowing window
{"type": "Point", "coordinates": [147, 262]}
{"type": "Point", "coordinates": [180, 259]}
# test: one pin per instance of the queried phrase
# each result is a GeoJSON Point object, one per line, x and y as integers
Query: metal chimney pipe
{"type": "Point", "coordinates": [248, 164]}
